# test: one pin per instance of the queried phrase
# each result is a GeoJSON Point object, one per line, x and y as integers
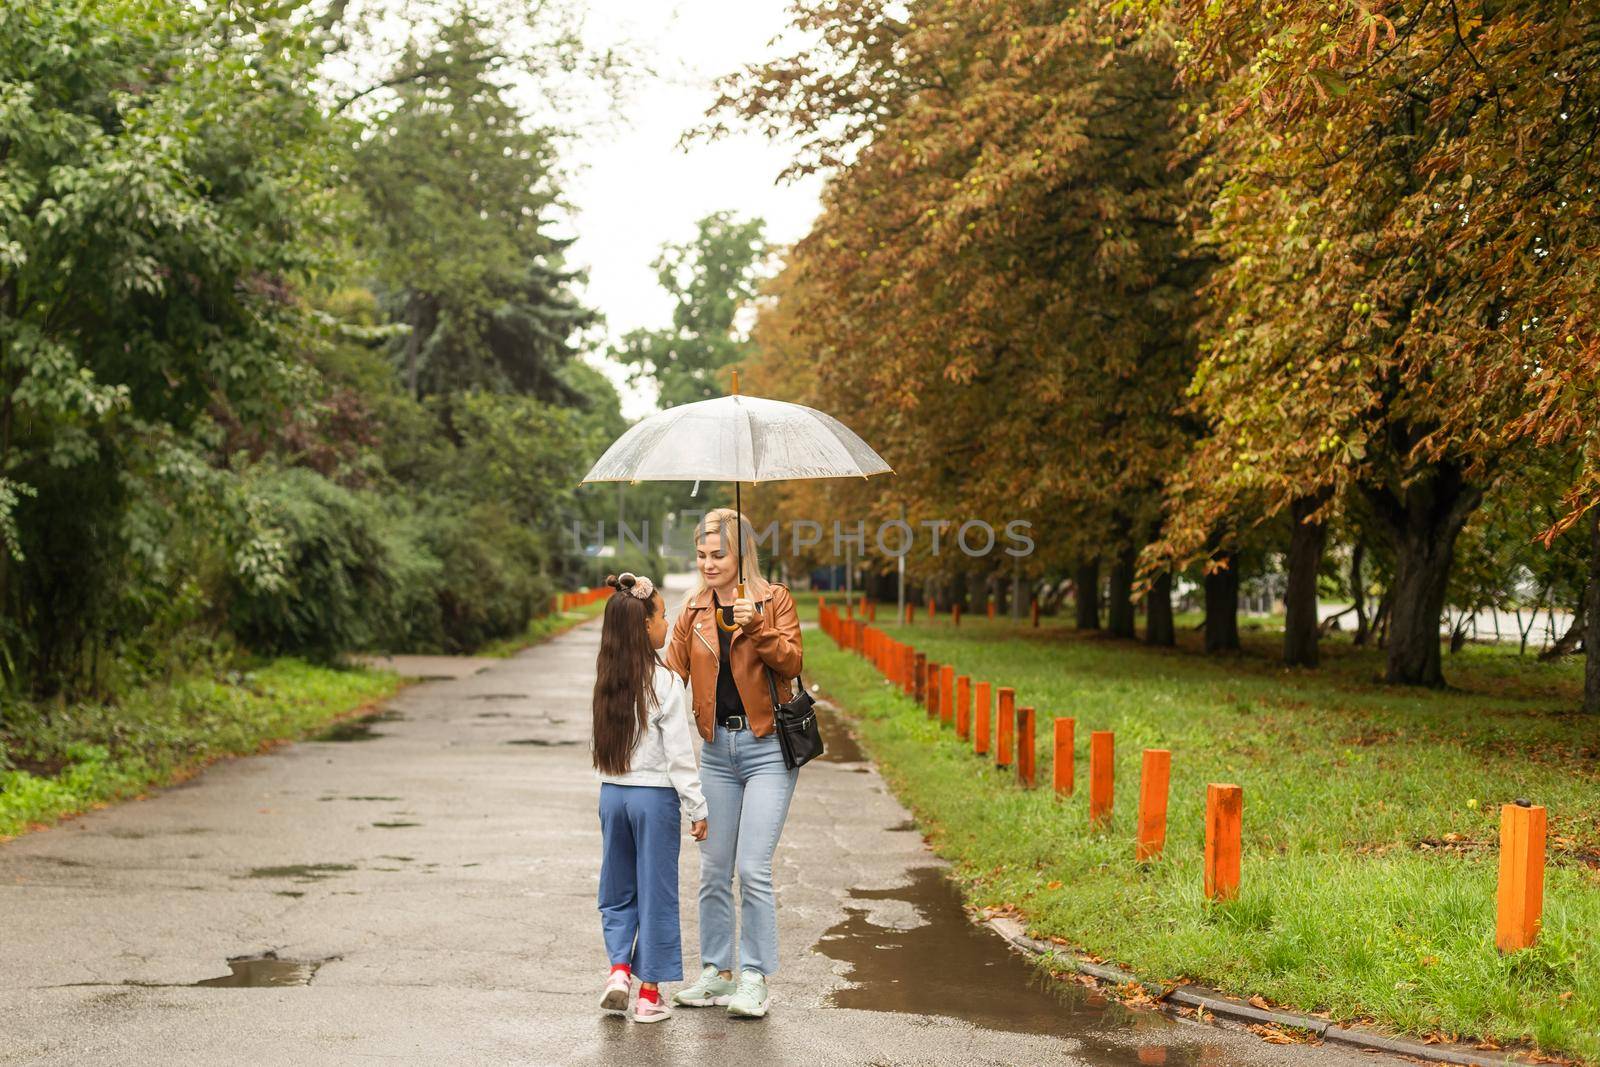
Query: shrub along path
{"type": "Point", "coordinates": [1370, 822]}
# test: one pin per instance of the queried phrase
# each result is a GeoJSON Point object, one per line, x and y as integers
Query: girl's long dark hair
{"type": "Point", "coordinates": [624, 684]}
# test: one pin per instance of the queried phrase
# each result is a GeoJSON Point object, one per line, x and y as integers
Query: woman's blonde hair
{"type": "Point", "coordinates": [721, 521]}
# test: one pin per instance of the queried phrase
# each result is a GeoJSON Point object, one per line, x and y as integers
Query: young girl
{"type": "Point", "coordinates": [645, 760]}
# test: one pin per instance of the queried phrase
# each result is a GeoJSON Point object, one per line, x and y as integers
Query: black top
{"type": "Point", "coordinates": [728, 700]}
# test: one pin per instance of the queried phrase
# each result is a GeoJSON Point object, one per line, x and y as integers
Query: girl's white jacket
{"type": "Point", "coordinates": [664, 754]}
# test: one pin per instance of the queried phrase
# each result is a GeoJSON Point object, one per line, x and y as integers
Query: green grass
{"type": "Point", "coordinates": [542, 629]}
{"type": "Point", "coordinates": [1371, 821]}
{"type": "Point", "coordinates": [57, 761]}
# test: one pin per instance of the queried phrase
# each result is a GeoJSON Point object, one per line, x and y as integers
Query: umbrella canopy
{"type": "Point", "coordinates": [737, 439]}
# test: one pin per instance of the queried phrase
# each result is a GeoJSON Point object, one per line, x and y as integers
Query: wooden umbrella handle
{"type": "Point", "coordinates": [738, 594]}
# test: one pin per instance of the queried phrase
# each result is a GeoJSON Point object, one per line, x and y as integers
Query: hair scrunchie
{"type": "Point", "coordinates": [633, 584]}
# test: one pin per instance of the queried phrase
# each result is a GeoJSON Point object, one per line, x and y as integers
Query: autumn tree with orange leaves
{"type": "Point", "coordinates": [1000, 285]}
{"type": "Point", "coordinates": [1408, 241]}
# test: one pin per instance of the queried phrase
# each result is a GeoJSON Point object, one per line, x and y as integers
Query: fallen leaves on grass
{"type": "Point", "coordinates": [1134, 995]}
{"type": "Point", "coordinates": [1283, 1035]}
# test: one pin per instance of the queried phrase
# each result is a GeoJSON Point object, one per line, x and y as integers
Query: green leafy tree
{"type": "Point", "coordinates": [711, 279]}
{"type": "Point", "coordinates": [460, 187]}
{"type": "Point", "coordinates": [166, 186]}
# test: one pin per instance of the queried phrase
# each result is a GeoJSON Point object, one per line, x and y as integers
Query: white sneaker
{"type": "Point", "coordinates": [712, 990]}
{"type": "Point", "coordinates": [750, 1000]}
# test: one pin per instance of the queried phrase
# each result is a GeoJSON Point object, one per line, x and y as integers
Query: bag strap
{"type": "Point", "coordinates": [772, 684]}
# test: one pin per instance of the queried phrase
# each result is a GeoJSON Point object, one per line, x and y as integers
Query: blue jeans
{"type": "Point", "coordinates": [639, 879]}
{"type": "Point", "coordinates": [747, 788]}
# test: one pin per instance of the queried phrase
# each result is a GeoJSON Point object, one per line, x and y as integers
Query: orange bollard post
{"type": "Point", "coordinates": [908, 670]}
{"type": "Point", "coordinates": [910, 611]}
{"type": "Point", "coordinates": [1224, 816]}
{"type": "Point", "coordinates": [1153, 777]}
{"type": "Point", "coordinates": [947, 696]}
{"type": "Point", "coordinates": [931, 691]}
{"type": "Point", "coordinates": [1520, 901]}
{"type": "Point", "coordinates": [1102, 776]}
{"type": "Point", "coordinates": [991, 608]}
{"type": "Point", "coordinates": [980, 720]}
{"type": "Point", "coordinates": [1036, 614]}
{"type": "Point", "coordinates": [963, 707]}
{"type": "Point", "coordinates": [1025, 742]}
{"type": "Point", "coordinates": [872, 607]}
{"type": "Point", "coordinates": [1061, 758]}
{"type": "Point", "coordinates": [1005, 725]}
{"type": "Point", "coordinates": [919, 677]}
{"type": "Point", "coordinates": [955, 614]}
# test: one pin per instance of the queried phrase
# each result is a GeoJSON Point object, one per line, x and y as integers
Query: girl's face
{"type": "Point", "coordinates": [717, 567]}
{"type": "Point", "coordinates": [656, 625]}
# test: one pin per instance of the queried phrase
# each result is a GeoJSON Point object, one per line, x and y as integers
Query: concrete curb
{"type": "Point", "coordinates": [1229, 1008]}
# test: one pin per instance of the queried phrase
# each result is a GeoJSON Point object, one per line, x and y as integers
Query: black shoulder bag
{"type": "Point", "coordinates": [795, 723]}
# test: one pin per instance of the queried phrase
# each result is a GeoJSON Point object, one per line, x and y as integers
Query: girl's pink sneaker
{"type": "Point", "coordinates": [615, 1000]}
{"type": "Point", "coordinates": [650, 1011]}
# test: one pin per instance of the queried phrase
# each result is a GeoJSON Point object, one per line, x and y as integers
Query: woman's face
{"type": "Point", "coordinates": [656, 625]}
{"type": "Point", "coordinates": [717, 567]}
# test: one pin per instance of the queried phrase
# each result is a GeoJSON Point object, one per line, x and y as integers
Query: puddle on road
{"type": "Point", "coordinates": [302, 872]}
{"type": "Point", "coordinates": [359, 729]}
{"type": "Point", "coordinates": [390, 799]}
{"type": "Point", "coordinates": [498, 696]}
{"type": "Point", "coordinates": [946, 965]}
{"type": "Point", "coordinates": [264, 970]}
{"type": "Point", "coordinates": [541, 742]}
{"type": "Point", "coordinates": [839, 745]}
{"type": "Point", "coordinates": [395, 825]}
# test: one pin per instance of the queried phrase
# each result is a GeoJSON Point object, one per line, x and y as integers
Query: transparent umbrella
{"type": "Point", "coordinates": [737, 439]}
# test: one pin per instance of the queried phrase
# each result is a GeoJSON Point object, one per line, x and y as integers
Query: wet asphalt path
{"type": "Point", "coordinates": [428, 888]}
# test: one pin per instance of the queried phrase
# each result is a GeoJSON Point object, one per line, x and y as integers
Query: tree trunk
{"type": "Point", "coordinates": [1358, 592]}
{"type": "Point", "coordinates": [1119, 612]}
{"type": "Point", "coordinates": [1158, 628]}
{"type": "Point", "coordinates": [413, 347]}
{"type": "Point", "coordinates": [1086, 593]}
{"type": "Point", "coordinates": [1222, 607]}
{"type": "Point", "coordinates": [1591, 631]}
{"type": "Point", "coordinates": [1306, 541]}
{"type": "Point", "coordinates": [1424, 521]}
{"type": "Point", "coordinates": [1573, 638]}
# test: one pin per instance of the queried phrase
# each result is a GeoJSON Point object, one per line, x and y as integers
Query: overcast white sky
{"type": "Point", "coordinates": [635, 190]}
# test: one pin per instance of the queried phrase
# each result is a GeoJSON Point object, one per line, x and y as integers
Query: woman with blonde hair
{"type": "Point", "coordinates": [742, 770]}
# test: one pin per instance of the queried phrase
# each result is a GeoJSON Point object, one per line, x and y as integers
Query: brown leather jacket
{"type": "Point", "coordinates": [772, 638]}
